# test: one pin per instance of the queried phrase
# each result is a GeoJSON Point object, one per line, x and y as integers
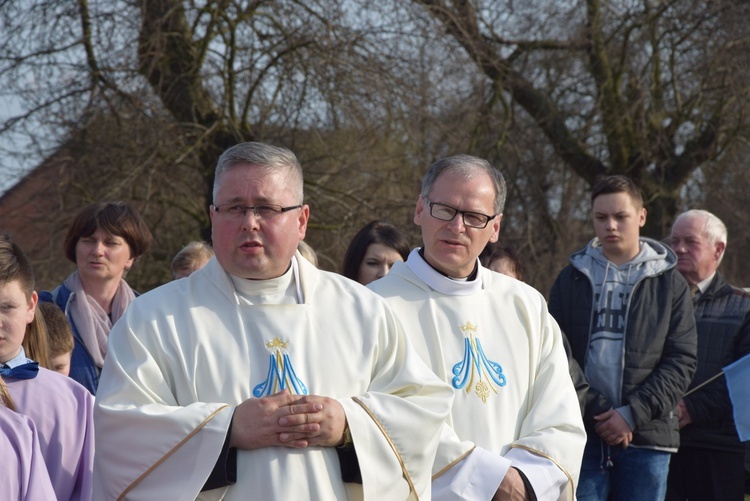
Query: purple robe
{"type": "Point", "coordinates": [62, 411]}
{"type": "Point", "coordinates": [23, 475]}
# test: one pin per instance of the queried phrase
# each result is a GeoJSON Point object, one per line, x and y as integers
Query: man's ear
{"type": "Point", "coordinates": [31, 307]}
{"type": "Point", "coordinates": [720, 248]}
{"type": "Point", "coordinates": [304, 217]}
{"type": "Point", "coordinates": [642, 217]}
{"type": "Point", "coordinates": [495, 228]}
{"type": "Point", "coordinates": [419, 211]}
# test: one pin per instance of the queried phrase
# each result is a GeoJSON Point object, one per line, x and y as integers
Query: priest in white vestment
{"type": "Point", "coordinates": [492, 339]}
{"type": "Point", "coordinates": [260, 376]}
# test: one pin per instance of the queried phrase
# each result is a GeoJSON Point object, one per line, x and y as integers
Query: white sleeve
{"type": "Point", "coordinates": [479, 475]}
{"type": "Point", "coordinates": [476, 477]}
{"type": "Point", "coordinates": [547, 479]}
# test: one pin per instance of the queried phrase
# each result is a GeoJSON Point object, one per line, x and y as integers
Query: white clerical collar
{"type": "Point", "coordinates": [439, 282]}
{"type": "Point", "coordinates": [284, 289]}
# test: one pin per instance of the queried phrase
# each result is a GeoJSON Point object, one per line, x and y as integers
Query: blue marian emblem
{"type": "Point", "coordinates": [281, 375]}
{"type": "Point", "coordinates": [476, 366]}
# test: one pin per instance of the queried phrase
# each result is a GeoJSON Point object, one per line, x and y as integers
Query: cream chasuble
{"type": "Point", "coordinates": [495, 343]}
{"type": "Point", "coordinates": [186, 353]}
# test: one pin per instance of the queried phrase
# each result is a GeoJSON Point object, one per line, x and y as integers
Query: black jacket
{"type": "Point", "coordinates": [723, 320]}
{"type": "Point", "coordinates": [659, 357]}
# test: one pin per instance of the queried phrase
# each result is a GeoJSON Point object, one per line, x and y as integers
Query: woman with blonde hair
{"type": "Point", "coordinates": [191, 258]}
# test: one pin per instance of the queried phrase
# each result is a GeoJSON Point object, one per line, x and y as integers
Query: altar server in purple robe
{"type": "Point", "coordinates": [23, 475]}
{"type": "Point", "coordinates": [60, 408]}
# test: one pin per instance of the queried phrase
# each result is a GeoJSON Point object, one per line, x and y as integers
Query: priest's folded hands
{"type": "Point", "coordinates": [287, 420]}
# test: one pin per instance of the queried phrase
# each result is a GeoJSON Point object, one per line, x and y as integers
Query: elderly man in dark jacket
{"type": "Point", "coordinates": [627, 314]}
{"type": "Point", "coordinates": [710, 462]}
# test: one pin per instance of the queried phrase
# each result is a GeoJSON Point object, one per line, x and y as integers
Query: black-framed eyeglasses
{"type": "Point", "coordinates": [260, 211]}
{"type": "Point", "coordinates": [447, 213]}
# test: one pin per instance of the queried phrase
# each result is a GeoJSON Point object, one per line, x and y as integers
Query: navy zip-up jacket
{"type": "Point", "coordinates": [660, 346]}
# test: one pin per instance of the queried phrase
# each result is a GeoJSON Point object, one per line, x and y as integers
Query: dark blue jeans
{"type": "Point", "coordinates": [631, 474]}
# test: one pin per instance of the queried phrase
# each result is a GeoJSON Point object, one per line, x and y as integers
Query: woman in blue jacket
{"type": "Point", "coordinates": [103, 241]}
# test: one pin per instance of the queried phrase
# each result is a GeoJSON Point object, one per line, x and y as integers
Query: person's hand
{"type": "Point", "coordinates": [328, 416]}
{"type": "Point", "coordinates": [683, 415]}
{"type": "Point", "coordinates": [256, 421]}
{"type": "Point", "coordinates": [613, 429]}
{"type": "Point", "coordinates": [511, 488]}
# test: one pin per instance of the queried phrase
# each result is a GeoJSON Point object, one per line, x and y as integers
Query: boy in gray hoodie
{"type": "Point", "coordinates": [628, 317]}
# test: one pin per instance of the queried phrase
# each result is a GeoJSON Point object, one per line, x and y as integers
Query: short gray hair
{"type": "Point", "coordinates": [466, 166]}
{"type": "Point", "coordinates": [713, 227]}
{"type": "Point", "coordinates": [263, 156]}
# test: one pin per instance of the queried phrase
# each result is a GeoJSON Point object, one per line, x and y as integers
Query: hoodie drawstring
{"type": "Point", "coordinates": [608, 464]}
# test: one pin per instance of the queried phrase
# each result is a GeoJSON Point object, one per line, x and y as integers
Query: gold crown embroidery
{"type": "Point", "coordinates": [468, 327]}
{"type": "Point", "coordinates": [277, 343]}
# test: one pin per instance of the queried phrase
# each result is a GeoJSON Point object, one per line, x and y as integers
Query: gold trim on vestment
{"type": "Point", "coordinates": [390, 442]}
{"type": "Point", "coordinates": [547, 456]}
{"type": "Point", "coordinates": [453, 463]}
{"type": "Point", "coordinates": [172, 451]}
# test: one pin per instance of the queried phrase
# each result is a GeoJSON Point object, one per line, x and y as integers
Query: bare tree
{"type": "Point", "coordinates": [161, 87]}
{"type": "Point", "coordinates": [136, 100]}
{"type": "Point", "coordinates": [647, 89]}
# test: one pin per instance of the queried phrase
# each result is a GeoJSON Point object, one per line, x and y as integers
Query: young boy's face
{"type": "Point", "coordinates": [61, 363]}
{"type": "Point", "coordinates": [617, 222]}
{"type": "Point", "coordinates": [16, 310]}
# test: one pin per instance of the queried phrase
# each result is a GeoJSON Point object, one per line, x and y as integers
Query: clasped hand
{"type": "Point", "coordinates": [613, 429]}
{"type": "Point", "coordinates": [283, 419]}
{"type": "Point", "coordinates": [683, 415]}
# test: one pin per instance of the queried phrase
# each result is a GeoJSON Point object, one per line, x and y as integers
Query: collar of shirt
{"type": "Point", "coordinates": [19, 359]}
{"type": "Point", "coordinates": [703, 284]}
{"type": "Point", "coordinates": [439, 282]}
